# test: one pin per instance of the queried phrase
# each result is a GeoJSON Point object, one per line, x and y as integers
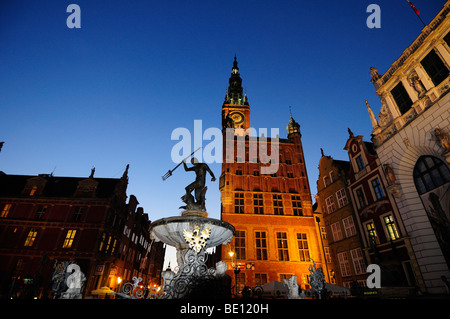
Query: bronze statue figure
{"type": "Point", "coordinates": [198, 186]}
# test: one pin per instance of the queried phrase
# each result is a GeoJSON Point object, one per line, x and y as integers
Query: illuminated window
{"type": "Point", "coordinates": [31, 237]}
{"type": "Point", "coordinates": [33, 190]}
{"type": "Point", "coordinates": [282, 245]}
{"type": "Point", "coordinates": [5, 210]}
{"type": "Point", "coordinates": [277, 205]}
{"type": "Point", "coordinates": [258, 203]}
{"type": "Point", "coordinates": [390, 227]}
{"type": "Point", "coordinates": [371, 233]}
{"type": "Point", "coordinates": [261, 245]}
{"type": "Point", "coordinates": [69, 238]}
{"type": "Point", "coordinates": [303, 248]}
{"type": "Point", "coordinates": [238, 203]}
{"type": "Point", "coordinates": [296, 205]}
{"type": "Point", "coordinates": [239, 244]}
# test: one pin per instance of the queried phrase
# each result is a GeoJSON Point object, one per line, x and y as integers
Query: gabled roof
{"type": "Point", "coordinates": [55, 186]}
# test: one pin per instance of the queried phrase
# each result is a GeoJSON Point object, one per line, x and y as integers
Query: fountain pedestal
{"type": "Point", "coordinates": [191, 234]}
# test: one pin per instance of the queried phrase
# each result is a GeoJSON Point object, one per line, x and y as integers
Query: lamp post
{"type": "Point", "coordinates": [236, 271]}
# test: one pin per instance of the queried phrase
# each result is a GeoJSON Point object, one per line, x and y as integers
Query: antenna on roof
{"type": "Point", "coordinates": [51, 174]}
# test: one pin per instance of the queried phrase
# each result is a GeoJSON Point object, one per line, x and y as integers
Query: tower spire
{"type": "Point", "coordinates": [235, 91]}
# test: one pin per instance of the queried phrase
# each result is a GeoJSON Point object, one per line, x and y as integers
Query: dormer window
{"type": "Point", "coordinates": [34, 186]}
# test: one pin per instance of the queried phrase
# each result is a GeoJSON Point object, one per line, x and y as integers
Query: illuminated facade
{"type": "Point", "coordinates": [276, 232]}
{"type": "Point", "coordinates": [411, 136]}
{"type": "Point", "coordinates": [343, 235]}
{"type": "Point", "coordinates": [48, 219]}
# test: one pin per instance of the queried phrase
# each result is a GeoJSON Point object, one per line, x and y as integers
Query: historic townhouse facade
{"type": "Point", "coordinates": [343, 234]}
{"type": "Point", "coordinates": [411, 137]}
{"type": "Point", "coordinates": [46, 220]}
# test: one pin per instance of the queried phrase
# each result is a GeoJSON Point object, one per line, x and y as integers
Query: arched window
{"type": "Point", "coordinates": [430, 173]}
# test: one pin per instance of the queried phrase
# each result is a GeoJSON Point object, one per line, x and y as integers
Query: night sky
{"type": "Point", "coordinates": [111, 92]}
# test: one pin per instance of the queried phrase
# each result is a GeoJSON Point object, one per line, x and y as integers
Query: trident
{"type": "Point", "coordinates": [169, 172]}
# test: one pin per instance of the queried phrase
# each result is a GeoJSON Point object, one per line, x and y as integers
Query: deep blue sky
{"type": "Point", "coordinates": [111, 93]}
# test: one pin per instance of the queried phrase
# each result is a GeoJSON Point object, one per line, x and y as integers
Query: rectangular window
{"type": "Point", "coordinates": [358, 261]}
{"type": "Point", "coordinates": [330, 204]}
{"type": "Point", "coordinates": [325, 181]}
{"type": "Point", "coordinates": [361, 198]}
{"type": "Point", "coordinates": [260, 279]}
{"type": "Point", "coordinates": [303, 248]}
{"type": "Point", "coordinates": [360, 162]}
{"type": "Point", "coordinates": [31, 237]}
{"type": "Point", "coordinates": [327, 254]}
{"type": "Point", "coordinates": [435, 68]}
{"type": "Point", "coordinates": [349, 226]}
{"type": "Point", "coordinates": [258, 203]}
{"type": "Point", "coordinates": [336, 231]}
{"type": "Point", "coordinates": [296, 205]}
{"type": "Point", "coordinates": [401, 97]}
{"type": "Point", "coordinates": [371, 233]}
{"type": "Point", "coordinates": [40, 212]}
{"type": "Point", "coordinates": [69, 238]}
{"type": "Point", "coordinates": [378, 190]}
{"type": "Point", "coordinates": [323, 232]}
{"type": "Point", "coordinates": [344, 264]}
{"type": "Point", "coordinates": [277, 205]}
{"type": "Point", "coordinates": [238, 171]}
{"type": "Point", "coordinates": [239, 244]}
{"type": "Point", "coordinates": [341, 197]}
{"type": "Point", "coordinates": [282, 245]}
{"type": "Point", "coordinates": [331, 177]}
{"type": "Point", "coordinates": [77, 214]}
{"type": "Point", "coordinates": [238, 203]}
{"type": "Point", "coordinates": [5, 210]}
{"type": "Point", "coordinates": [261, 245]}
{"type": "Point", "coordinates": [390, 227]}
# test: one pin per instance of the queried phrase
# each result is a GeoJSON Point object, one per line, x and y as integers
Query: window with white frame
{"type": "Point", "coordinates": [330, 204]}
{"type": "Point", "coordinates": [358, 261]}
{"type": "Point", "coordinates": [349, 226]}
{"type": "Point", "coordinates": [336, 231]}
{"type": "Point", "coordinates": [331, 177]}
{"type": "Point", "coordinates": [344, 264]}
{"type": "Point", "coordinates": [341, 198]}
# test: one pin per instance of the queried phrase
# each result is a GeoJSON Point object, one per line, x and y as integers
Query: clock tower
{"type": "Point", "coordinates": [235, 108]}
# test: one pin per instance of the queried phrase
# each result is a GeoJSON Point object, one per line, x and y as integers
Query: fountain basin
{"type": "Point", "coordinates": [170, 230]}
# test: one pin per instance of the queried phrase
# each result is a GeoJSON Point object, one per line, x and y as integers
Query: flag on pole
{"type": "Point", "coordinates": [416, 11]}
{"type": "Point", "coordinates": [413, 7]}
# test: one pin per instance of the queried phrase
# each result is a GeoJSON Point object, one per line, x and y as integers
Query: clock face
{"type": "Point", "coordinates": [237, 117]}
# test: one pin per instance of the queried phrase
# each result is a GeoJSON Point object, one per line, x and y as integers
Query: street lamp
{"type": "Point", "coordinates": [236, 270]}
